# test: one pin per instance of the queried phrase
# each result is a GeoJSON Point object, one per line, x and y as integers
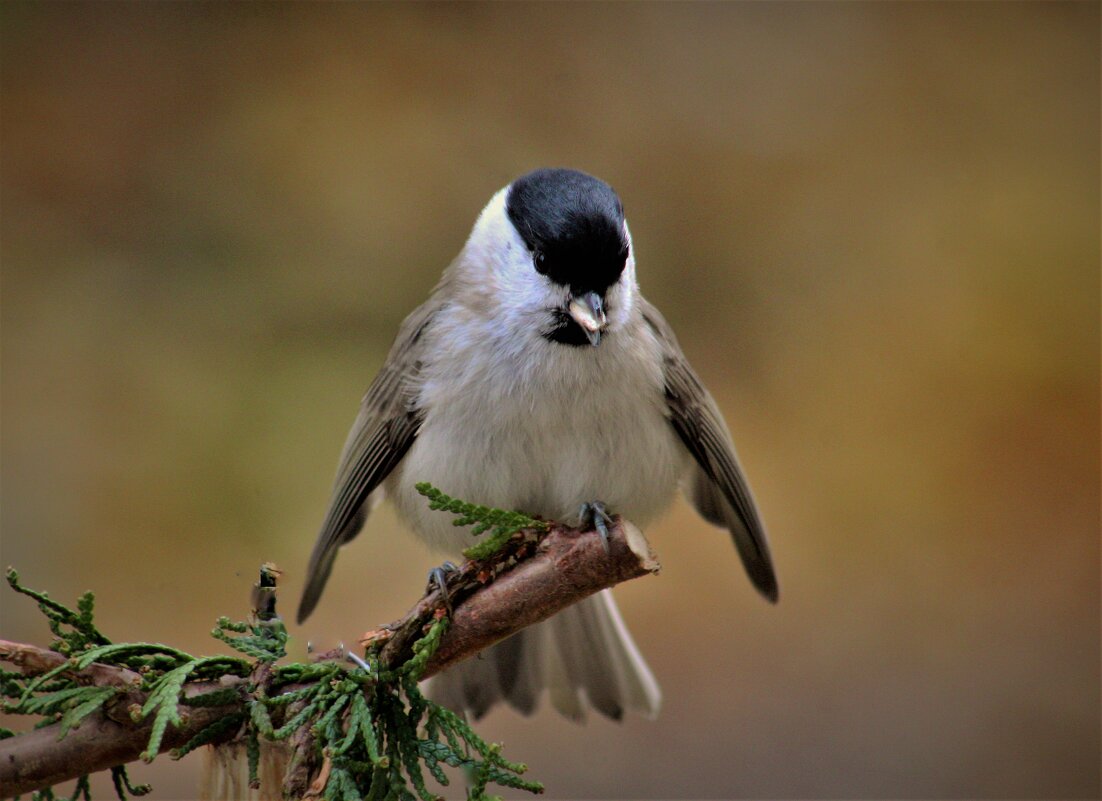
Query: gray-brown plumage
{"type": "Point", "coordinates": [536, 377]}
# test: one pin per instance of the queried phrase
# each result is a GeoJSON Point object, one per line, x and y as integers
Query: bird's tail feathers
{"type": "Point", "coordinates": [584, 656]}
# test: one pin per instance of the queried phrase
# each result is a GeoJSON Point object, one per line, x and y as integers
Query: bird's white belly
{"type": "Point", "coordinates": [541, 447]}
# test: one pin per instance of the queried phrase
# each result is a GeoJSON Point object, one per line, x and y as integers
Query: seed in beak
{"type": "Point", "coordinates": [588, 312]}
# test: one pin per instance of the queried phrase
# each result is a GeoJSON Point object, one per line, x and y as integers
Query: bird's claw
{"type": "Point", "coordinates": [351, 657]}
{"type": "Point", "coordinates": [438, 580]}
{"type": "Point", "coordinates": [594, 514]}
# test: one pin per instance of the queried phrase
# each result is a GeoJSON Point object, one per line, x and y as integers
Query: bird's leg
{"type": "Point", "coordinates": [595, 514]}
{"type": "Point", "coordinates": [438, 580]}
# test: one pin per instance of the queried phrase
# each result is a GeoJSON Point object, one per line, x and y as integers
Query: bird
{"type": "Point", "coordinates": [536, 377]}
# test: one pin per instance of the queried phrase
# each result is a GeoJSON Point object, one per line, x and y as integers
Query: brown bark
{"type": "Point", "coordinates": [41, 758]}
{"type": "Point", "coordinates": [491, 601]}
{"type": "Point", "coordinates": [568, 567]}
{"type": "Point", "coordinates": [34, 660]}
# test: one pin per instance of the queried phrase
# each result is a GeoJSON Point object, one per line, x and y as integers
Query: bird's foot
{"type": "Point", "coordinates": [438, 580]}
{"type": "Point", "coordinates": [595, 514]}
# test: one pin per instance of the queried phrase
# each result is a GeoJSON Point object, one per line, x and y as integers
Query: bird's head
{"type": "Point", "coordinates": [552, 252]}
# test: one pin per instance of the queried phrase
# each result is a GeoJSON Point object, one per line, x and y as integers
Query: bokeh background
{"type": "Point", "coordinates": [875, 228]}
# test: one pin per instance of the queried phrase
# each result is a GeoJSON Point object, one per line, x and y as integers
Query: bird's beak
{"type": "Point", "coordinates": [588, 311]}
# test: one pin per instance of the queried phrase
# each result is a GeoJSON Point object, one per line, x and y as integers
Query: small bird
{"type": "Point", "coordinates": [536, 377]}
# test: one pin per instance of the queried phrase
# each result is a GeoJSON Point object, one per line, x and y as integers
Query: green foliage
{"type": "Point", "coordinates": [61, 700]}
{"type": "Point", "coordinates": [264, 642]}
{"type": "Point", "coordinates": [503, 524]}
{"type": "Point", "coordinates": [380, 733]}
{"type": "Point", "coordinates": [375, 727]}
{"type": "Point", "coordinates": [74, 631]}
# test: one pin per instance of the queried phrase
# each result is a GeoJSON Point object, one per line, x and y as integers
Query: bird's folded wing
{"type": "Point", "coordinates": [384, 430]}
{"type": "Point", "coordinates": [718, 488]}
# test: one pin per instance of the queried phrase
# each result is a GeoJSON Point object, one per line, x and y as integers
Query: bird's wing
{"type": "Point", "coordinates": [385, 428]}
{"type": "Point", "coordinates": [717, 488]}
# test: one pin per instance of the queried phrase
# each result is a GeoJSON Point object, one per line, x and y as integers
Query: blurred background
{"type": "Point", "coordinates": [875, 228]}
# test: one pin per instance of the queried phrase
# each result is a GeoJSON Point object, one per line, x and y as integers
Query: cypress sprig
{"type": "Point", "coordinates": [123, 787]}
{"type": "Point", "coordinates": [87, 703]}
{"type": "Point", "coordinates": [252, 752]}
{"type": "Point", "coordinates": [263, 640]}
{"type": "Point", "coordinates": [165, 700]}
{"type": "Point", "coordinates": [82, 632]}
{"type": "Point", "coordinates": [504, 524]}
{"type": "Point", "coordinates": [424, 648]}
{"type": "Point", "coordinates": [383, 737]}
{"type": "Point", "coordinates": [133, 653]}
{"type": "Point", "coordinates": [210, 734]}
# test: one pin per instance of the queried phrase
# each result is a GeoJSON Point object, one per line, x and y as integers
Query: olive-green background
{"type": "Point", "coordinates": [875, 228]}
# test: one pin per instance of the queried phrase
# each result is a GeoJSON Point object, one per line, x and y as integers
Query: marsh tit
{"type": "Point", "coordinates": [536, 377]}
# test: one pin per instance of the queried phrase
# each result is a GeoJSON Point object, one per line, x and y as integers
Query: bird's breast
{"type": "Point", "coordinates": [543, 435]}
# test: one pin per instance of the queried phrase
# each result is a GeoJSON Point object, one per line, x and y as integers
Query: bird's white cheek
{"type": "Point", "coordinates": [619, 305]}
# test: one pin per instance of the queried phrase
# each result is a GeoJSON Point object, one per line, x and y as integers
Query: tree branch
{"type": "Point", "coordinates": [34, 661]}
{"type": "Point", "coordinates": [529, 582]}
{"type": "Point", "coordinates": [42, 757]}
{"type": "Point", "coordinates": [568, 566]}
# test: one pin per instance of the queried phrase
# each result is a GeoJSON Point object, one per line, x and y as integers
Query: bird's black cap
{"type": "Point", "coordinates": [574, 225]}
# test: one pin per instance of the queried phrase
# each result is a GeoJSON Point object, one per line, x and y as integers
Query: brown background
{"type": "Point", "coordinates": [874, 226]}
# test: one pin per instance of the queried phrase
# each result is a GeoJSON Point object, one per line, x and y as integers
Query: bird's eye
{"type": "Point", "coordinates": [540, 260]}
